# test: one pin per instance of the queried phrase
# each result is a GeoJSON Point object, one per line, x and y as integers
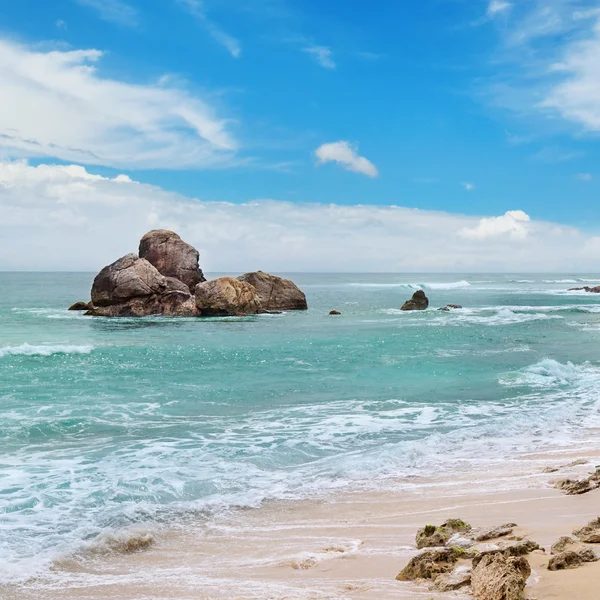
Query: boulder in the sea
{"type": "Point", "coordinates": [276, 293]}
{"type": "Point", "coordinates": [226, 296]}
{"type": "Point", "coordinates": [450, 307]}
{"type": "Point", "coordinates": [562, 544]}
{"type": "Point", "coordinates": [172, 257]}
{"type": "Point", "coordinates": [498, 577]}
{"type": "Point", "coordinates": [132, 287]}
{"type": "Point", "coordinates": [334, 312]}
{"type": "Point", "coordinates": [419, 301]}
{"type": "Point", "coordinates": [590, 534]}
{"type": "Point", "coordinates": [586, 288]}
{"type": "Point", "coordinates": [432, 535]}
{"type": "Point", "coordinates": [429, 564]}
{"type": "Point", "coordinates": [571, 559]}
{"type": "Point", "coordinates": [448, 582]}
{"type": "Point", "coordinates": [81, 306]}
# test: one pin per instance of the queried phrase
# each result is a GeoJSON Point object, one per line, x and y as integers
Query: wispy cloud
{"type": "Point", "coordinates": [322, 54]}
{"type": "Point", "coordinates": [84, 221]}
{"type": "Point", "coordinates": [115, 11]}
{"type": "Point", "coordinates": [587, 177]}
{"type": "Point", "coordinates": [97, 120]}
{"type": "Point", "coordinates": [346, 155]}
{"type": "Point", "coordinates": [469, 187]}
{"type": "Point", "coordinates": [556, 154]}
{"type": "Point", "coordinates": [197, 10]}
{"type": "Point", "coordinates": [496, 7]}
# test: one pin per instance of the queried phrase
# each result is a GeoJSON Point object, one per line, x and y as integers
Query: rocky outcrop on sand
{"type": "Point", "coordinates": [172, 257]}
{"type": "Point", "coordinates": [276, 293]}
{"type": "Point", "coordinates": [562, 544]}
{"type": "Point", "coordinates": [574, 487]}
{"type": "Point", "coordinates": [419, 301]}
{"type": "Point", "coordinates": [590, 534]}
{"type": "Point", "coordinates": [449, 582]}
{"type": "Point", "coordinates": [498, 577]}
{"type": "Point", "coordinates": [432, 535]}
{"type": "Point", "coordinates": [429, 564]}
{"type": "Point", "coordinates": [166, 279]}
{"type": "Point", "coordinates": [571, 559]}
{"type": "Point", "coordinates": [132, 287]}
{"type": "Point", "coordinates": [226, 296]}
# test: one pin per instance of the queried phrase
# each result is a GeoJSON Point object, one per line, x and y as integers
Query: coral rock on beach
{"type": "Point", "coordinates": [571, 559]}
{"type": "Point", "coordinates": [132, 287]}
{"type": "Point", "coordinates": [172, 257]}
{"type": "Point", "coordinates": [276, 293]}
{"type": "Point", "coordinates": [419, 301]}
{"type": "Point", "coordinates": [498, 577]}
{"type": "Point", "coordinates": [449, 582]}
{"type": "Point", "coordinates": [429, 564]}
{"type": "Point", "coordinates": [589, 534]}
{"type": "Point", "coordinates": [574, 487]}
{"type": "Point", "coordinates": [430, 535]}
{"type": "Point", "coordinates": [227, 296]}
{"type": "Point", "coordinates": [562, 544]}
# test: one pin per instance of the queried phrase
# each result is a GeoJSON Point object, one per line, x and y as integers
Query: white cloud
{"type": "Point", "coordinates": [56, 104]}
{"type": "Point", "coordinates": [346, 155]}
{"type": "Point", "coordinates": [113, 10]}
{"type": "Point", "coordinates": [469, 187]}
{"type": "Point", "coordinates": [64, 217]}
{"type": "Point", "coordinates": [322, 54]}
{"type": "Point", "coordinates": [513, 224]}
{"type": "Point", "coordinates": [496, 7]}
{"type": "Point", "coordinates": [196, 9]}
{"type": "Point", "coordinates": [587, 177]}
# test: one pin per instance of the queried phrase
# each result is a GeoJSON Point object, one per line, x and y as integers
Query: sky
{"type": "Point", "coordinates": [302, 135]}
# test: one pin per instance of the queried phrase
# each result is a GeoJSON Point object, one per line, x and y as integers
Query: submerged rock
{"type": "Point", "coordinates": [450, 307]}
{"type": "Point", "coordinates": [429, 564]}
{"type": "Point", "coordinates": [276, 293]}
{"type": "Point", "coordinates": [498, 577]}
{"type": "Point", "coordinates": [334, 312]}
{"type": "Point", "coordinates": [132, 287]}
{"type": "Point", "coordinates": [227, 296]}
{"type": "Point", "coordinates": [81, 306]}
{"type": "Point", "coordinates": [586, 288]}
{"type": "Point", "coordinates": [172, 257]}
{"type": "Point", "coordinates": [419, 301]}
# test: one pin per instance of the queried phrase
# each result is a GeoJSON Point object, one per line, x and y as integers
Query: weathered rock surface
{"type": "Point", "coordinates": [574, 487]}
{"type": "Point", "coordinates": [132, 287]}
{"type": "Point", "coordinates": [81, 306]}
{"type": "Point", "coordinates": [491, 533]}
{"type": "Point", "coordinates": [227, 296]}
{"type": "Point", "coordinates": [571, 559]}
{"type": "Point", "coordinates": [172, 257]}
{"type": "Point", "coordinates": [498, 577]}
{"type": "Point", "coordinates": [589, 534]}
{"type": "Point", "coordinates": [429, 564]}
{"type": "Point", "coordinates": [450, 307]}
{"type": "Point", "coordinates": [449, 582]}
{"type": "Point", "coordinates": [419, 301]}
{"type": "Point", "coordinates": [276, 293]}
{"type": "Point", "coordinates": [562, 544]}
{"type": "Point", "coordinates": [432, 535]}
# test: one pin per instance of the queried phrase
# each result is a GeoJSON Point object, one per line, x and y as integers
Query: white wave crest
{"type": "Point", "coordinates": [551, 373]}
{"type": "Point", "coordinates": [43, 350]}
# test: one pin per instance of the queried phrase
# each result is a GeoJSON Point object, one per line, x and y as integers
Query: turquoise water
{"type": "Point", "coordinates": [106, 423]}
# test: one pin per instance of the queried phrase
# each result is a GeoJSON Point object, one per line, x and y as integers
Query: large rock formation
{"type": "Point", "coordinates": [276, 293]}
{"type": "Point", "coordinates": [227, 296]}
{"type": "Point", "coordinates": [172, 257]}
{"type": "Point", "coordinates": [132, 287]}
{"type": "Point", "coordinates": [498, 577]}
{"type": "Point", "coordinates": [419, 301]}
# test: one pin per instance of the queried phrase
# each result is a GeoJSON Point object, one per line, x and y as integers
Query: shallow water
{"type": "Point", "coordinates": [106, 423]}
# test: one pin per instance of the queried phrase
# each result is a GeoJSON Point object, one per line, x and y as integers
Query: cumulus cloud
{"type": "Point", "coordinates": [513, 224]}
{"type": "Point", "coordinates": [346, 154]}
{"type": "Point", "coordinates": [322, 54]}
{"type": "Point", "coordinates": [56, 104]}
{"type": "Point", "coordinates": [66, 218]}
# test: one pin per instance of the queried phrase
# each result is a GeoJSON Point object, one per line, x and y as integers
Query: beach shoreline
{"type": "Point", "coordinates": [345, 546]}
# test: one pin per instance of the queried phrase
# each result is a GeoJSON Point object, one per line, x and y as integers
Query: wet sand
{"type": "Point", "coordinates": [347, 546]}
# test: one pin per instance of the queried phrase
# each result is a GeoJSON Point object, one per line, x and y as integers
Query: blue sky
{"type": "Point", "coordinates": [471, 107]}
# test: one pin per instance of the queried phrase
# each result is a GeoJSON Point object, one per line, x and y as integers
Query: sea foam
{"type": "Point", "coordinates": [43, 350]}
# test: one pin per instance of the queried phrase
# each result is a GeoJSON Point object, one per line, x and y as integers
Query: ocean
{"type": "Point", "coordinates": [111, 423]}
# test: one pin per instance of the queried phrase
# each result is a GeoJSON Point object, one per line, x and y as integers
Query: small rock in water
{"type": "Point", "coordinates": [419, 301]}
{"type": "Point", "coordinates": [450, 307]}
{"type": "Point", "coordinates": [335, 312]}
{"type": "Point", "coordinates": [81, 306]}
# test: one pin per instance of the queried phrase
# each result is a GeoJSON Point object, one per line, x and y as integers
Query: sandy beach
{"type": "Point", "coordinates": [347, 546]}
